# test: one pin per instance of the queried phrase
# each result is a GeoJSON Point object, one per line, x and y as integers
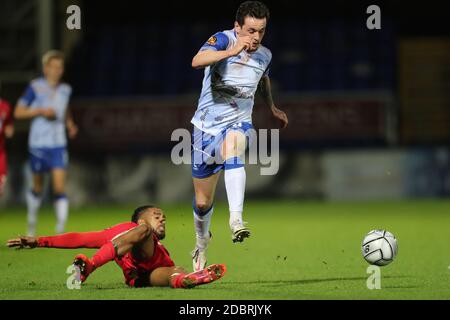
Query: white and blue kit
{"type": "Point", "coordinates": [47, 139]}
{"type": "Point", "coordinates": [226, 100]}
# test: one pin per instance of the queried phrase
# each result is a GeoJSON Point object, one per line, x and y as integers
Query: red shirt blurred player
{"type": "Point", "coordinates": [6, 130]}
{"type": "Point", "coordinates": [136, 248]}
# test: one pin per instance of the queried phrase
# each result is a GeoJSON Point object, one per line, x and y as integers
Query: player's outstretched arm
{"type": "Point", "coordinates": [265, 89]}
{"type": "Point", "coordinates": [70, 240]}
{"type": "Point", "coordinates": [208, 57]}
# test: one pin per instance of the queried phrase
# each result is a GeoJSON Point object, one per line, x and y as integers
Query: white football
{"type": "Point", "coordinates": [379, 247]}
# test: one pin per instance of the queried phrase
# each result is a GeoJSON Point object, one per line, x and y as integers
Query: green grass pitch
{"type": "Point", "coordinates": [298, 250]}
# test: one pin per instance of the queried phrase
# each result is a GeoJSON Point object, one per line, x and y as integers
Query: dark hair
{"type": "Point", "coordinates": [255, 9]}
{"type": "Point", "coordinates": [139, 211]}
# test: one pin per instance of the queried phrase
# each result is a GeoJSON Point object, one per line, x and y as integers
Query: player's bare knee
{"type": "Point", "coordinates": [58, 189]}
{"type": "Point", "coordinates": [203, 205]}
{"type": "Point", "coordinates": [234, 145]}
{"type": "Point", "coordinates": [37, 187]}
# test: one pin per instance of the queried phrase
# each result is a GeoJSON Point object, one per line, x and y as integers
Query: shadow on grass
{"type": "Point", "coordinates": [308, 281]}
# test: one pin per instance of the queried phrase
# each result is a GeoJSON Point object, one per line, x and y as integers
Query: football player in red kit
{"type": "Point", "coordinates": [6, 130]}
{"type": "Point", "coordinates": [135, 246]}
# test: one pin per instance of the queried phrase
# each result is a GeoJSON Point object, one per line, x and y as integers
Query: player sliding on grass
{"type": "Point", "coordinates": [236, 65]}
{"type": "Point", "coordinates": [134, 246]}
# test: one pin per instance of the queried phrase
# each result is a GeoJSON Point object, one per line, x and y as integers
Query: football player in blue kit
{"type": "Point", "coordinates": [236, 66]}
{"type": "Point", "coordinates": [45, 102]}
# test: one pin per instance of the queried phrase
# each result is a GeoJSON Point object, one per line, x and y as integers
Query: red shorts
{"type": "Point", "coordinates": [137, 272]}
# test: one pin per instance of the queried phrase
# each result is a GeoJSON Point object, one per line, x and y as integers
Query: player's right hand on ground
{"type": "Point", "coordinates": [23, 242]}
{"type": "Point", "coordinates": [243, 43]}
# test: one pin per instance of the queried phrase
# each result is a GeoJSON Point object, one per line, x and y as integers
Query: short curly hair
{"type": "Point", "coordinates": [139, 211]}
{"type": "Point", "coordinates": [255, 9]}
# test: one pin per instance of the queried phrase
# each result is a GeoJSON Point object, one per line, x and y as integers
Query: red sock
{"type": "Point", "coordinates": [176, 281]}
{"type": "Point", "coordinates": [105, 254]}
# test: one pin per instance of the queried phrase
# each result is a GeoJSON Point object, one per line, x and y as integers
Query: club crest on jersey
{"type": "Point", "coordinates": [212, 41]}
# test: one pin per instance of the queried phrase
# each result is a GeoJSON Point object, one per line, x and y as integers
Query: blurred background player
{"type": "Point", "coordinates": [136, 248]}
{"type": "Point", "coordinates": [236, 65]}
{"type": "Point", "coordinates": [45, 102]}
{"type": "Point", "coordinates": [6, 131]}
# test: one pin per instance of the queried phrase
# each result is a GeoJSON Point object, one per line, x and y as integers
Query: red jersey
{"type": "Point", "coordinates": [136, 271]}
{"type": "Point", "coordinates": [5, 119]}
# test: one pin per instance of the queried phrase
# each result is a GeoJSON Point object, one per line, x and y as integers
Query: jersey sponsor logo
{"type": "Point", "coordinates": [212, 41]}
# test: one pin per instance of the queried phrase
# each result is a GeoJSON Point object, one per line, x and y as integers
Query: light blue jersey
{"type": "Point", "coordinates": [229, 86]}
{"type": "Point", "coordinates": [45, 133]}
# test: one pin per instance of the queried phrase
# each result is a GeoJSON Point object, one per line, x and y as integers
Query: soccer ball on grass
{"type": "Point", "coordinates": [379, 247]}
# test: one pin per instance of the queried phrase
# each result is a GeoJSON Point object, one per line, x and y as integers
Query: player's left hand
{"type": "Point", "coordinates": [23, 242]}
{"type": "Point", "coordinates": [280, 115]}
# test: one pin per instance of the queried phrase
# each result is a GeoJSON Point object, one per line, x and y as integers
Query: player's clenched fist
{"type": "Point", "coordinates": [243, 43]}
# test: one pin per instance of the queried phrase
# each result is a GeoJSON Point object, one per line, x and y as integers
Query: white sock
{"type": "Point", "coordinates": [235, 186]}
{"type": "Point", "coordinates": [235, 218]}
{"type": "Point", "coordinates": [33, 204]}
{"type": "Point", "coordinates": [202, 224]}
{"type": "Point", "coordinates": [61, 205]}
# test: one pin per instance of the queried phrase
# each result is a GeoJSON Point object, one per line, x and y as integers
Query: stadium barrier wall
{"type": "Point", "coordinates": [369, 174]}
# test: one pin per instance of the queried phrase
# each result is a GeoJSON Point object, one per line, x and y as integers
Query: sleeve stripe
{"type": "Point", "coordinates": [28, 97]}
{"type": "Point", "coordinates": [218, 41]}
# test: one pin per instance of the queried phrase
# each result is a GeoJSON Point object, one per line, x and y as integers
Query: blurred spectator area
{"type": "Point", "coordinates": [308, 55]}
{"type": "Point", "coordinates": [336, 79]}
{"type": "Point", "coordinates": [369, 110]}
